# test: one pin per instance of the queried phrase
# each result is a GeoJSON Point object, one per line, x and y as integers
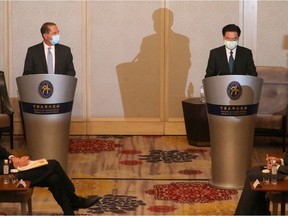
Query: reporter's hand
{"type": "Point", "coordinates": [269, 161]}
{"type": "Point", "coordinates": [20, 162]}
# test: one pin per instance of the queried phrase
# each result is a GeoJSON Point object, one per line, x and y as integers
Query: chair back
{"type": "Point", "coordinates": [3, 91]}
{"type": "Point", "coordinates": [6, 111]}
{"type": "Point", "coordinates": [274, 95]}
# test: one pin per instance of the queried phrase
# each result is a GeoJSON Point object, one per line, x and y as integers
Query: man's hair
{"type": "Point", "coordinates": [45, 27]}
{"type": "Point", "coordinates": [231, 28]}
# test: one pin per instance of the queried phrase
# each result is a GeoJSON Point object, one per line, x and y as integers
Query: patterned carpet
{"type": "Point", "coordinates": [140, 175]}
{"type": "Point", "coordinates": [145, 157]}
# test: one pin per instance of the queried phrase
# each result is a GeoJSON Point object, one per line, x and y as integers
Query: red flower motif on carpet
{"type": "Point", "coordinates": [162, 209]}
{"type": "Point", "coordinates": [190, 192]}
{"type": "Point", "coordinates": [91, 145]}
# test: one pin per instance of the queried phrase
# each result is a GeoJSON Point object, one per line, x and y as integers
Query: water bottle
{"type": "Point", "coordinates": [274, 172]}
{"type": "Point", "coordinates": [202, 94]}
{"type": "Point", "coordinates": [6, 172]}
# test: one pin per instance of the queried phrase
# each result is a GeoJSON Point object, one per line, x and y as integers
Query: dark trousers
{"type": "Point", "coordinates": [54, 177]}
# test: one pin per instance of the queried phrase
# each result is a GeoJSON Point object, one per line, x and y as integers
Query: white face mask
{"type": "Point", "coordinates": [230, 44]}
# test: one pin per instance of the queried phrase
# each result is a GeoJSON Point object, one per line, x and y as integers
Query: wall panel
{"type": "Point", "coordinates": [120, 83]}
{"type": "Point", "coordinates": [2, 20]}
{"type": "Point", "coordinates": [272, 31]}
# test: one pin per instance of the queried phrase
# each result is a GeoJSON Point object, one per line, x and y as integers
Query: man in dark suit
{"type": "Point", "coordinates": [252, 202]}
{"type": "Point", "coordinates": [53, 177]}
{"type": "Point", "coordinates": [36, 61]}
{"type": "Point", "coordinates": [241, 58]}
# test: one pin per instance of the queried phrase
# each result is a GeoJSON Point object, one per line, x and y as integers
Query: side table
{"type": "Point", "coordinates": [196, 122]}
{"type": "Point", "coordinates": [10, 193]}
{"type": "Point", "coordinates": [281, 187]}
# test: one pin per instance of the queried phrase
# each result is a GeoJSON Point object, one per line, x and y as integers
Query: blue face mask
{"type": "Point", "coordinates": [55, 39]}
{"type": "Point", "coordinates": [230, 44]}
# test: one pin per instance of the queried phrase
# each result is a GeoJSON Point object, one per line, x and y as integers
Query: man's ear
{"type": "Point", "coordinates": [45, 36]}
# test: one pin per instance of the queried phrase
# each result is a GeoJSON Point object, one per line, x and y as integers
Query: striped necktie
{"type": "Point", "coordinates": [50, 61]}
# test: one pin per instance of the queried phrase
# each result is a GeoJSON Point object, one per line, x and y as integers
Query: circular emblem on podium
{"type": "Point", "coordinates": [234, 90]}
{"type": "Point", "coordinates": [46, 89]}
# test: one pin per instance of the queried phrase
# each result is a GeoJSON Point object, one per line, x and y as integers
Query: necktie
{"type": "Point", "coordinates": [231, 61]}
{"type": "Point", "coordinates": [50, 61]}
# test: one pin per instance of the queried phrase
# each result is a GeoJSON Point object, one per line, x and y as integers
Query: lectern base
{"type": "Point", "coordinates": [228, 186]}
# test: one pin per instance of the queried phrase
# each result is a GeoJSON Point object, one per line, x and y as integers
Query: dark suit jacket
{"type": "Point", "coordinates": [35, 62]}
{"type": "Point", "coordinates": [218, 63]}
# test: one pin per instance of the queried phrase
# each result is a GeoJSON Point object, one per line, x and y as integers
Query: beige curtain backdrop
{"type": "Point", "coordinates": [137, 60]}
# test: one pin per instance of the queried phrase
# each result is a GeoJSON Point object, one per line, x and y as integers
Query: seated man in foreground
{"type": "Point", "coordinates": [252, 202]}
{"type": "Point", "coordinates": [52, 176]}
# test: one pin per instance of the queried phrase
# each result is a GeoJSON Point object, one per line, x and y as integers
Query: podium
{"type": "Point", "coordinates": [46, 102]}
{"type": "Point", "coordinates": [232, 104]}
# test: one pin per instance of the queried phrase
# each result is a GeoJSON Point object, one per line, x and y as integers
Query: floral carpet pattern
{"type": "Point", "coordinates": [91, 145]}
{"type": "Point", "coordinates": [118, 204]}
{"type": "Point", "coordinates": [153, 157]}
{"type": "Point", "coordinates": [190, 192]}
{"type": "Point", "coordinates": [139, 175]}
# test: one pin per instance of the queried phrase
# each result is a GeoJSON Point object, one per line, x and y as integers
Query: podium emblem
{"type": "Point", "coordinates": [234, 90]}
{"type": "Point", "coordinates": [46, 89]}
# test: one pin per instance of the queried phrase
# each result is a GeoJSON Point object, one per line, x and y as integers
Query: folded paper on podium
{"type": "Point", "coordinates": [232, 104]}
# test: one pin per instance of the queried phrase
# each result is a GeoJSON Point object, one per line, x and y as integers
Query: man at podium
{"type": "Point", "coordinates": [49, 57]}
{"type": "Point", "coordinates": [230, 58]}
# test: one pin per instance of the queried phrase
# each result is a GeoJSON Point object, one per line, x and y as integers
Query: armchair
{"type": "Point", "coordinates": [273, 106]}
{"type": "Point", "coordinates": [6, 111]}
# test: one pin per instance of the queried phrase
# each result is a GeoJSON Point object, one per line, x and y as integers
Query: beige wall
{"type": "Point", "coordinates": [132, 79]}
{"type": "Point", "coordinates": [2, 35]}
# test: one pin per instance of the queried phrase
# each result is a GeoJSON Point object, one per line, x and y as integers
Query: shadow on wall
{"type": "Point", "coordinates": [140, 79]}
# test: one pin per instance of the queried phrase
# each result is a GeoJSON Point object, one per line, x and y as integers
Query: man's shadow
{"type": "Point", "coordinates": [164, 56]}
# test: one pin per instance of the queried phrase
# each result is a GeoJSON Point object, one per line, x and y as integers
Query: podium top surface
{"type": "Point", "coordinates": [194, 100]}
